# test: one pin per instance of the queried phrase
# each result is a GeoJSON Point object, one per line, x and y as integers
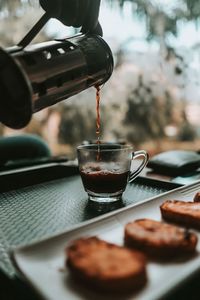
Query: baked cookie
{"type": "Point", "coordinates": [105, 266]}
{"type": "Point", "coordinates": [159, 240]}
{"type": "Point", "coordinates": [180, 212]}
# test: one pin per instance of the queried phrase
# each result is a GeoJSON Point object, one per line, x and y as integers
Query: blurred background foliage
{"type": "Point", "coordinates": [159, 18]}
{"type": "Point", "coordinates": [152, 97]}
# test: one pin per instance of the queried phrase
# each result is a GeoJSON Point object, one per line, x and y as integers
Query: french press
{"type": "Point", "coordinates": [33, 77]}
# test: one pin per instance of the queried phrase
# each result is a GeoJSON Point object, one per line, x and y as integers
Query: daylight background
{"type": "Point", "coordinates": [153, 97]}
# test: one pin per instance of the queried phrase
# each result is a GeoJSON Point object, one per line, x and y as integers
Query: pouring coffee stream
{"type": "Point", "coordinates": [98, 120]}
{"type": "Point", "coordinates": [98, 113]}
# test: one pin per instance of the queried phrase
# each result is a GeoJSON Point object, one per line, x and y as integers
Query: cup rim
{"type": "Point", "coordinates": [105, 147]}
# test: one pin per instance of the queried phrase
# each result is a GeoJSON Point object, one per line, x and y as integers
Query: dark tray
{"type": "Point", "coordinates": [42, 201]}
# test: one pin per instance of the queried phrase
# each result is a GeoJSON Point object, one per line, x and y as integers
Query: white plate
{"type": "Point", "coordinates": [42, 264]}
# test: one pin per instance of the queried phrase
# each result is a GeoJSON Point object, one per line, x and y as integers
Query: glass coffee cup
{"type": "Point", "coordinates": [105, 170]}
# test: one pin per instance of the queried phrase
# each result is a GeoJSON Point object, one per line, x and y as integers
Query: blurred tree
{"type": "Point", "coordinates": [162, 19]}
{"type": "Point", "coordinates": [186, 130]}
{"type": "Point", "coordinates": [16, 18]}
{"type": "Point", "coordinates": [147, 115]}
{"type": "Point", "coordinates": [11, 5]}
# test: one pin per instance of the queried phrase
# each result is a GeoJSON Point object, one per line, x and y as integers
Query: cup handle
{"type": "Point", "coordinates": [143, 164]}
